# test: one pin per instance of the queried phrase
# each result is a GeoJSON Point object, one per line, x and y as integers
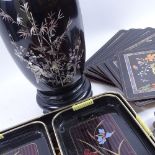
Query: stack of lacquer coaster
{"type": "Point", "coordinates": [127, 61]}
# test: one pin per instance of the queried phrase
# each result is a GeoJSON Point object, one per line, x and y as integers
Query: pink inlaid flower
{"type": "Point", "coordinates": [88, 152]}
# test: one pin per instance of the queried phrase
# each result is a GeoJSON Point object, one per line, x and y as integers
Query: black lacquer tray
{"type": "Point", "coordinates": [102, 125]}
{"type": "Point", "coordinates": [108, 125]}
{"type": "Point", "coordinates": [29, 139]}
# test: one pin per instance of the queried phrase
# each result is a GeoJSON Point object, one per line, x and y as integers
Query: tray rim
{"type": "Point", "coordinates": [29, 124]}
{"type": "Point", "coordinates": [123, 102]}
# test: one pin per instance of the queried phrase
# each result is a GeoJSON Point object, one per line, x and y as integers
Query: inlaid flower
{"type": "Point", "coordinates": [150, 57]}
{"type": "Point", "coordinates": [102, 136]}
{"type": "Point", "coordinates": [88, 152]}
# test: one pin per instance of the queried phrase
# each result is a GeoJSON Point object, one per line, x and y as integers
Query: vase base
{"type": "Point", "coordinates": [50, 101]}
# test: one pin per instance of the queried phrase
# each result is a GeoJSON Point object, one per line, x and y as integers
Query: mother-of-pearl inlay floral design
{"type": "Point", "coordinates": [45, 57]}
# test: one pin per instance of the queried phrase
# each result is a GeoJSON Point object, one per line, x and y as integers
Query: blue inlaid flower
{"type": "Point", "coordinates": [102, 136]}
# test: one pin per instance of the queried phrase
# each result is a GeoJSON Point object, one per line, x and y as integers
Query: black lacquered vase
{"type": "Point", "coordinates": [46, 40]}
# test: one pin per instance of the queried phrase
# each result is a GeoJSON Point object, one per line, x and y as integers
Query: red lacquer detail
{"type": "Point", "coordinates": [88, 152]}
{"type": "Point", "coordinates": [153, 85]}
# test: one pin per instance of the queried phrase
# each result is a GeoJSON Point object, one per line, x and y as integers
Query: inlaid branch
{"type": "Point", "coordinates": [45, 57]}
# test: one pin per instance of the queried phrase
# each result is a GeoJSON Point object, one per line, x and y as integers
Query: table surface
{"type": "Point", "coordinates": [102, 19]}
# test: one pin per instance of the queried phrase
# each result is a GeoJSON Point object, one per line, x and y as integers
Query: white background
{"type": "Point", "coordinates": [102, 19]}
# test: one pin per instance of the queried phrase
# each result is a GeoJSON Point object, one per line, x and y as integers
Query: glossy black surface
{"type": "Point", "coordinates": [46, 40]}
{"type": "Point", "coordinates": [20, 141]}
{"type": "Point", "coordinates": [103, 105]}
{"type": "Point", "coordinates": [68, 95]}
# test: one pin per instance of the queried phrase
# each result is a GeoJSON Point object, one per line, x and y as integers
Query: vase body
{"type": "Point", "coordinates": [46, 40]}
